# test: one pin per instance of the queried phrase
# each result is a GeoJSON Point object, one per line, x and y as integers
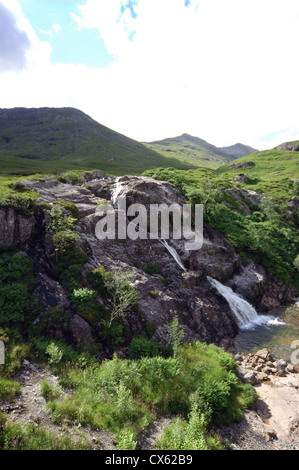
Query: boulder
{"type": "Point", "coordinates": [81, 332]}
{"type": "Point", "coordinates": [50, 294]}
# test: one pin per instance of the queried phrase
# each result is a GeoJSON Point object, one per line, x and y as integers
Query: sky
{"type": "Point", "coordinates": [224, 71]}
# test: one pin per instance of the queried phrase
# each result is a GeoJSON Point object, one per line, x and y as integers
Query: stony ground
{"type": "Point", "coordinates": [274, 424]}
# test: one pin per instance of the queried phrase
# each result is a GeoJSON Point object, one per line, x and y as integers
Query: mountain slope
{"type": "Point", "coordinates": [56, 139]}
{"type": "Point", "coordinates": [196, 151]}
{"type": "Point", "coordinates": [275, 164]}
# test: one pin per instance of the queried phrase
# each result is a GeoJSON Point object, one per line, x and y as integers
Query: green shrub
{"type": "Point", "coordinates": [152, 268]}
{"type": "Point", "coordinates": [126, 440]}
{"type": "Point", "coordinates": [9, 389]}
{"type": "Point", "coordinates": [55, 354]}
{"type": "Point", "coordinates": [183, 435]}
{"type": "Point", "coordinates": [50, 392]}
{"type": "Point", "coordinates": [71, 176]}
{"type": "Point", "coordinates": [15, 353]}
{"type": "Point", "coordinates": [54, 320]}
{"type": "Point", "coordinates": [154, 293]}
{"type": "Point", "coordinates": [17, 304]}
{"type": "Point", "coordinates": [141, 346]}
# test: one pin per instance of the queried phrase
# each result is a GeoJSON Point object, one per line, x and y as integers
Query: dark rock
{"type": "Point", "coordinates": [16, 228]}
{"type": "Point", "coordinates": [50, 294]}
{"type": "Point", "coordinates": [81, 332]}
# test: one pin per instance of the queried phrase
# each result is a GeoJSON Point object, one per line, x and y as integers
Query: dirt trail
{"type": "Point", "coordinates": [148, 440]}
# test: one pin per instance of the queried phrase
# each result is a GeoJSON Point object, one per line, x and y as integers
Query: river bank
{"type": "Point", "coordinates": [274, 424]}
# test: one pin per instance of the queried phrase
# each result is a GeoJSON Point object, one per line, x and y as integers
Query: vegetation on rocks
{"type": "Point", "coordinates": [80, 309]}
{"type": "Point", "coordinates": [266, 232]}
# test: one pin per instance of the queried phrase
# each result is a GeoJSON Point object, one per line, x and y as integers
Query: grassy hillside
{"type": "Point", "coordinates": [269, 165]}
{"type": "Point", "coordinates": [198, 152]}
{"type": "Point", "coordinates": [52, 140]}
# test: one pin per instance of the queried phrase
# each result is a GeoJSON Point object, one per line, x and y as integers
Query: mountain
{"type": "Point", "coordinates": [56, 139]}
{"type": "Point", "coordinates": [196, 151]}
{"type": "Point", "coordinates": [282, 162]}
{"type": "Point", "coordinates": [238, 150]}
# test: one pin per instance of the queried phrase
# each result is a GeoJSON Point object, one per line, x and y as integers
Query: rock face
{"type": "Point", "coordinates": [204, 314]}
{"type": "Point", "coordinates": [15, 227]}
{"type": "Point", "coordinates": [50, 294]}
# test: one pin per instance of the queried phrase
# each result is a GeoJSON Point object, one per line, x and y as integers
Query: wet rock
{"type": "Point", "coordinates": [249, 281]}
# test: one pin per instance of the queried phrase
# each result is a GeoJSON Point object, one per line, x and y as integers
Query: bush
{"type": "Point", "coordinates": [15, 353]}
{"type": "Point", "coordinates": [152, 268]}
{"type": "Point", "coordinates": [17, 304]}
{"type": "Point", "coordinates": [141, 346]}
{"type": "Point", "coordinates": [55, 354]}
{"type": "Point", "coordinates": [183, 435]}
{"type": "Point", "coordinates": [9, 389]}
{"type": "Point", "coordinates": [50, 392]}
{"type": "Point", "coordinates": [126, 440]}
{"type": "Point", "coordinates": [154, 294]}
{"type": "Point", "coordinates": [54, 320]}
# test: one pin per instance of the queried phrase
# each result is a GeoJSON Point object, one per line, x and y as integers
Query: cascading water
{"type": "Point", "coordinates": [116, 190]}
{"type": "Point", "coordinates": [173, 253]}
{"type": "Point", "coordinates": [246, 316]}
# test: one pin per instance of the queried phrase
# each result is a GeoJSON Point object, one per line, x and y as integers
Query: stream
{"type": "Point", "coordinates": [276, 337]}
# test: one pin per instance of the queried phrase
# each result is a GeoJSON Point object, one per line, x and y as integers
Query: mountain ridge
{"type": "Point", "coordinates": [56, 139]}
{"type": "Point", "coordinates": [191, 149]}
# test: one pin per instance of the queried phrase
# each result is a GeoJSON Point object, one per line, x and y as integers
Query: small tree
{"type": "Point", "coordinates": [63, 228]}
{"type": "Point", "coordinates": [123, 296]}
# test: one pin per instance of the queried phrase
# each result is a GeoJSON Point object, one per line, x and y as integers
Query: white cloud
{"type": "Point", "coordinates": [77, 19]}
{"type": "Point", "coordinates": [55, 28]}
{"type": "Point", "coordinates": [223, 71]}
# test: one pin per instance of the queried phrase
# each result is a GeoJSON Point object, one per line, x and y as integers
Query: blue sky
{"type": "Point", "coordinates": [69, 44]}
{"type": "Point", "coordinates": [152, 69]}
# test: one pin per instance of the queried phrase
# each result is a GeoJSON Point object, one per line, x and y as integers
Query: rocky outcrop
{"type": "Point", "coordinates": [235, 166]}
{"type": "Point", "coordinates": [16, 228]}
{"type": "Point", "coordinates": [81, 332]}
{"type": "Point", "coordinates": [291, 146]}
{"type": "Point", "coordinates": [163, 293]}
{"type": "Point", "coordinates": [50, 294]}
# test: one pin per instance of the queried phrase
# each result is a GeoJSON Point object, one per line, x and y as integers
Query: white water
{"type": "Point", "coordinates": [247, 317]}
{"type": "Point", "coordinates": [173, 253]}
{"type": "Point", "coordinates": [116, 190]}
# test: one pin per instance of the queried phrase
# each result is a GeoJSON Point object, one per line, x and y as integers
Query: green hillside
{"type": "Point", "coordinates": [198, 152]}
{"type": "Point", "coordinates": [48, 140]}
{"type": "Point", "coordinates": [269, 165]}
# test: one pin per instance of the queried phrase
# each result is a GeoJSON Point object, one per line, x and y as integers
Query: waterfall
{"type": "Point", "coordinates": [116, 190]}
{"type": "Point", "coordinates": [173, 253]}
{"type": "Point", "coordinates": [247, 317]}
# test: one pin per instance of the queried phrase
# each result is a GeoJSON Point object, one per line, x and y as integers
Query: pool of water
{"type": "Point", "coordinates": [277, 337]}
